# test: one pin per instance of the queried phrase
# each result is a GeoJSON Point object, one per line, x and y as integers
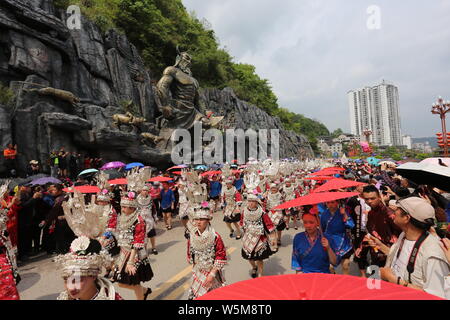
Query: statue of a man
{"type": "Point", "coordinates": [178, 93]}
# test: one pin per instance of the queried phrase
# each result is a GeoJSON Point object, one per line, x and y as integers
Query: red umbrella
{"type": "Point", "coordinates": [177, 172]}
{"type": "Point", "coordinates": [319, 178]}
{"type": "Point", "coordinates": [83, 189]}
{"type": "Point", "coordinates": [336, 184]}
{"type": "Point", "coordinates": [118, 181]}
{"type": "Point", "coordinates": [315, 286]}
{"type": "Point", "coordinates": [160, 179]}
{"type": "Point", "coordinates": [181, 166]}
{"type": "Point", "coordinates": [210, 173]}
{"type": "Point", "coordinates": [314, 198]}
{"type": "Point", "coordinates": [335, 169]}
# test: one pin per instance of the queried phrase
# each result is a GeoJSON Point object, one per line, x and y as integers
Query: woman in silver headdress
{"type": "Point", "coordinates": [232, 200]}
{"type": "Point", "coordinates": [207, 254]}
{"type": "Point", "coordinates": [132, 267]}
{"type": "Point", "coordinates": [273, 199]}
{"type": "Point", "coordinates": [145, 203]}
{"type": "Point", "coordinates": [9, 276]}
{"type": "Point", "coordinates": [81, 268]}
{"type": "Point", "coordinates": [258, 228]}
{"type": "Point", "coordinates": [289, 193]}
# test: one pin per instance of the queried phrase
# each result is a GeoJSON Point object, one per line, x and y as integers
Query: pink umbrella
{"type": "Point", "coordinates": [113, 165]}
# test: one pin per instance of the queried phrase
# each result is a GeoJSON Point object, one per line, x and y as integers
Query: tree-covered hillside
{"type": "Point", "coordinates": [156, 27]}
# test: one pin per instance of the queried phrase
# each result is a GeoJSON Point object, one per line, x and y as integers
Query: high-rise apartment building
{"type": "Point", "coordinates": [376, 109]}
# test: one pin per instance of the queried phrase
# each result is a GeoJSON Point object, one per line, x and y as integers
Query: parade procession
{"type": "Point", "coordinates": [197, 151]}
{"type": "Point", "coordinates": [106, 233]}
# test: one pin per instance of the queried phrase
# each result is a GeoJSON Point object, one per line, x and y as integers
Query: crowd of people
{"type": "Point", "coordinates": [63, 164]}
{"type": "Point", "coordinates": [388, 221]}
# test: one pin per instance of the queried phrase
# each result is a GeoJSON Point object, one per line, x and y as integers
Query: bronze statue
{"type": "Point", "coordinates": [57, 93]}
{"type": "Point", "coordinates": [178, 93]}
{"type": "Point", "coordinates": [127, 119]}
{"type": "Point", "coordinates": [149, 137]}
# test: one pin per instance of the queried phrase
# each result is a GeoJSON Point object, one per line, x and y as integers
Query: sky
{"type": "Point", "coordinates": [314, 51]}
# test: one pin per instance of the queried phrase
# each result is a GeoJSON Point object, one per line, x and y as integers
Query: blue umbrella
{"type": "Point", "coordinates": [134, 165]}
{"type": "Point", "coordinates": [373, 161]}
{"type": "Point", "coordinates": [45, 180]}
{"type": "Point", "coordinates": [201, 167]}
{"type": "Point", "coordinates": [87, 171]}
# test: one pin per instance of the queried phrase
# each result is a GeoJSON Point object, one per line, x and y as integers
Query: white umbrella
{"type": "Point", "coordinates": [446, 161]}
{"type": "Point", "coordinates": [388, 163]}
{"type": "Point", "coordinates": [426, 173]}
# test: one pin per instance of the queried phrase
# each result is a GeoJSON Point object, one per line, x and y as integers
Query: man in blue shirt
{"type": "Point", "coordinates": [239, 182]}
{"type": "Point", "coordinates": [215, 189]}
{"type": "Point", "coordinates": [167, 204]}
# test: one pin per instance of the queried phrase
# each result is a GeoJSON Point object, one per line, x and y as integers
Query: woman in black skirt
{"type": "Point", "coordinates": [232, 200]}
{"type": "Point", "coordinates": [132, 266]}
{"type": "Point", "coordinates": [259, 235]}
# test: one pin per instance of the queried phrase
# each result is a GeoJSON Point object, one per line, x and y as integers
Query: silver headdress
{"type": "Point", "coordinates": [4, 188]}
{"type": "Point", "coordinates": [202, 212]}
{"type": "Point", "coordinates": [102, 180]}
{"type": "Point", "coordinates": [137, 178]}
{"type": "Point", "coordinates": [251, 181]}
{"type": "Point", "coordinates": [88, 220]}
{"type": "Point", "coordinates": [85, 259]}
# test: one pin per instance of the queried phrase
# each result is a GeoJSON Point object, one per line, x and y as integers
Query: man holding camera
{"type": "Point", "coordinates": [416, 260]}
{"type": "Point", "coordinates": [380, 225]}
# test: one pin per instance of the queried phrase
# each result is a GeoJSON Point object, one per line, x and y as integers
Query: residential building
{"type": "Point", "coordinates": [376, 109]}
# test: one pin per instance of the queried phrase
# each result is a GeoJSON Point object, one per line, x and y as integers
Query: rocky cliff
{"type": "Point", "coordinates": [97, 75]}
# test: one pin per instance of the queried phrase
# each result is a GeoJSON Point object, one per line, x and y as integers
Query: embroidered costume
{"type": "Point", "coordinates": [232, 199]}
{"type": "Point", "coordinates": [274, 200]}
{"type": "Point", "coordinates": [9, 276]}
{"type": "Point", "coordinates": [257, 226]}
{"type": "Point", "coordinates": [206, 252]}
{"type": "Point", "coordinates": [145, 209]}
{"type": "Point", "coordinates": [130, 233]}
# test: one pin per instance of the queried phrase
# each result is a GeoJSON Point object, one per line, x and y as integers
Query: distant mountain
{"type": "Point", "coordinates": [431, 140]}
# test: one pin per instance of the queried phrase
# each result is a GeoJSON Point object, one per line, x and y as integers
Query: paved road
{"type": "Point", "coordinates": [42, 281]}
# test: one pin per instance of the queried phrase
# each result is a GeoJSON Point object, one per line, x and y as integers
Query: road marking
{"type": "Point", "coordinates": [158, 291]}
{"type": "Point", "coordinates": [185, 286]}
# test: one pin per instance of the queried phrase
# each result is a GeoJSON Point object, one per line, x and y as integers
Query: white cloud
{"type": "Point", "coordinates": [314, 51]}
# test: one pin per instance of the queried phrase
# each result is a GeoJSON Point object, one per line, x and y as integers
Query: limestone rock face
{"type": "Point", "coordinates": [105, 72]}
{"type": "Point", "coordinates": [242, 115]}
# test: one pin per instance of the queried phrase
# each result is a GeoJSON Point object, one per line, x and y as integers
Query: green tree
{"type": "Point", "coordinates": [157, 27]}
{"type": "Point", "coordinates": [336, 133]}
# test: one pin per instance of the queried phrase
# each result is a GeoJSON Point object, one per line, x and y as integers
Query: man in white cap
{"type": "Point", "coordinates": [416, 260]}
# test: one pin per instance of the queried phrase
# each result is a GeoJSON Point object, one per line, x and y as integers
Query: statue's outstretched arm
{"type": "Point", "coordinates": [163, 87]}
{"type": "Point", "coordinates": [200, 103]}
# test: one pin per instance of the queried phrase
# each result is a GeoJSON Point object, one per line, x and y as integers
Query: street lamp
{"type": "Point", "coordinates": [441, 108]}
